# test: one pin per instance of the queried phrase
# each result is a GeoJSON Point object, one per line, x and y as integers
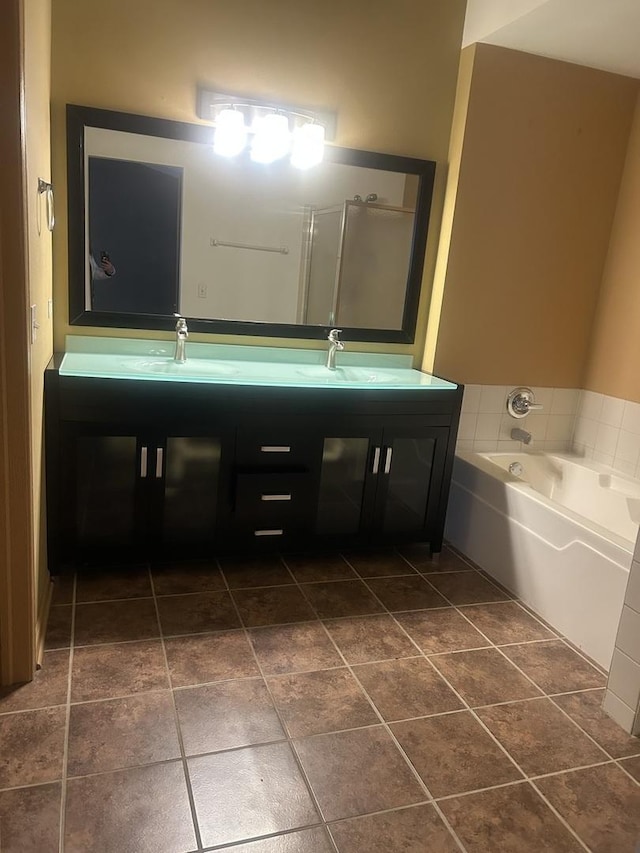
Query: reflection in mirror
{"type": "Point", "coordinates": [172, 228]}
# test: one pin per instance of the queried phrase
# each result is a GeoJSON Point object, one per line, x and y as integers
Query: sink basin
{"type": "Point", "coordinates": [192, 368]}
{"type": "Point", "coordinates": [354, 375]}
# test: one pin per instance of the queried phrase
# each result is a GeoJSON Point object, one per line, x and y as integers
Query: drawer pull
{"type": "Point", "coordinates": [143, 461]}
{"type": "Point", "coordinates": [275, 497]}
{"type": "Point", "coordinates": [268, 532]}
{"type": "Point", "coordinates": [275, 448]}
{"type": "Point", "coordinates": [387, 461]}
{"type": "Point", "coordinates": [376, 460]}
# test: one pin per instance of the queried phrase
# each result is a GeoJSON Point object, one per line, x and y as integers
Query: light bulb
{"type": "Point", "coordinates": [231, 134]}
{"type": "Point", "coordinates": [272, 139]}
{"type": "Point", "coordinates": [308, 145]}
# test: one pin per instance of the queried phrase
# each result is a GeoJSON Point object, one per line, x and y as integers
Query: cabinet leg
{"type": "Point", "coordinates": [435, 546]}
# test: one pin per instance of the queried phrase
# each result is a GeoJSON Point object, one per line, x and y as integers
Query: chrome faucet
{"type": "Point", "coordinates": [335, 344]}
{"type": "Point", "coordinates": [522, 435]}
{"type": "Point", "coordinates": [182, 333]}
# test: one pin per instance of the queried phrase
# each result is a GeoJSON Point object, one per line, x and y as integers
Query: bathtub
{"type": "Point", "coordinates": [557, 530]}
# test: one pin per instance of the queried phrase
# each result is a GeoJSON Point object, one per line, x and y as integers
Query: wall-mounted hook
{"type": "Point", "coordinates": [46, 187]}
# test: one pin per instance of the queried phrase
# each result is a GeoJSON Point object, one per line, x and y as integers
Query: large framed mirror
{"type": "Point", "coordinates": [159, 226]}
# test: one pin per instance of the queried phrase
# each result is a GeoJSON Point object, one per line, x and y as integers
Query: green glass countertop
{"type": "Point", "coordinates": [112, 358]}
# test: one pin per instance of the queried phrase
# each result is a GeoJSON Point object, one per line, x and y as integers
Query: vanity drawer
{"type": "Point", "coordinates": [277, 449]}
{"type": "Point", "coordinates": [272, 499]}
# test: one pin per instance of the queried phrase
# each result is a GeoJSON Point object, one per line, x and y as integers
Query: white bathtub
{"type": "Point", "coordinates": [560, 535]}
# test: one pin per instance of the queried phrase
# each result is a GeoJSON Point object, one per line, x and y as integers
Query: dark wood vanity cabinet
{"type": "Point", "coordinates": [139, 469]}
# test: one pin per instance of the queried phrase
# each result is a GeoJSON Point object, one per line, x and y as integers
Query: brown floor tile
{"type": "Point", "coordinates": [448, 561]}
{"type": "Point", "coordinates": [105, 672]}
{"type": "Point", "coordinates": [111, 582]}
{"type": "Point", "coordinates": [272, 606]}
{"type": "Point", "coordinates": [419, 555]}
{"type": "Point", "coordinates": [441, 630]}
{"type": "Point", "coordinates": [62, 589]}
{"type": "Point", "coordinates": [341, 598]}
{"type": "Point", "coordinates": [406, 688]}
{"type": "Point", "coordinates": [367, 638]}
{"type": "Point", "coordinates": [49, 686]}
{"type": "Point", "coordinates": [209, 657]}
{"type": "Point", "coordinates": [178, 578]}
{"type": "Point", "coordinates": [484, 677]}
{"type": "Point", "coordinates": [115, 621]}
{"type": "Point", "coordinates": [466, 588]}
{"type": "Point", "coordinates": [249, 792]}
{"type": "Point", "coordinates": [539, 737]}
{"type": "Point", "coordinates": [304, 841]}
{"type": "Point", "coordinates": [316, 568]}
{"type": "Point", "coordinates": [417, 829]}
{"type": "Point", "coordinates": [32, 747]}
{"type": "Point", "coordinates": [586, 709]}
{"type": "Point", "coordinates": [555, 667]}
{"type": "Point", "coordinates": [294, 648]}
{"type": "Point", "coordinates": [195, 614]}
{"type": "Point", "coordinates": [226, 715]}
{"type": "Point", "coordinates": [453, 753]}
{"type": "Point", "coordinates": [406, 593]}
{"type": "Point", "coordinates": [601, 804]}
{"type": "Point", "coordinates": [513, 819]}
{"type": "Point", "coordinates": [58, 635]}
{"type": "Point", "coordinates": [356, 772]}
{"type": "Point", "coordinates": [122, 733]}
{"type": "Point", "coordinates": [325, 701]}
{"type": "Point", "coordinates": [255, 571]}
{"type": "Point", "coordinates": [378, 563]}
{"type": "Point", "coordinates": [141, 809]}
{"type": "Point", "coordinates": [506, 622]}
{"type": "Point", "coordinates": [632, 766]}
{"type": "Point", "coordinates": [30, 819]}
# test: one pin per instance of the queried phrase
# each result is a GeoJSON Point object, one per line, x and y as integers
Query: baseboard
{"type": "Point", "coordinates": [41, 623]}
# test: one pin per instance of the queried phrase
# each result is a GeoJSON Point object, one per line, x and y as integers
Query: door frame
{"type": "Point", "coordinates": [17, 581]}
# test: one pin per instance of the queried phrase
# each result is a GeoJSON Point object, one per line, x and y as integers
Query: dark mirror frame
{"type": "Point", "coordinates": [79, 117]}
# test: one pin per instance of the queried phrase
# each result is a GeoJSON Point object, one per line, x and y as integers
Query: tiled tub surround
{"type": "Point", "coordinates": [595, 426]}
{"type": "Point", "coordinates": [375, 704]}
{"type": "Point", "coordinates": [622, 699]}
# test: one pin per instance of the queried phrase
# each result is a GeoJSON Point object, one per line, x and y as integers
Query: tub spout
{"type": "Point", "coordinates": [522, 435]}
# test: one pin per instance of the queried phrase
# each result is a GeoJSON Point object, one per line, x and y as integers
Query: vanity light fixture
{"type": "Point", "coordinates": [275, 130]}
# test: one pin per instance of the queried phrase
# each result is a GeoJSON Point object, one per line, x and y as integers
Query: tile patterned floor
{"type": "Point", "coordinates": [365, 703]}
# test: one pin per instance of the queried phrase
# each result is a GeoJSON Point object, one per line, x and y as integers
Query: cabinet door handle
{"type": "Point", "coordinates": [275, 448]}
{"type": "Point", "coordinates": [376, 460]}
{"type": "Point", "coordinates": [268, 532]}
{"type": "Point", "coordinates": [159, 455]}
{"type": "Point", "coordinates": [143, 462]}
{"type": "Point", "coordinates": [275, 497]}
{"type": "Point", "coordinates": [387, 461]}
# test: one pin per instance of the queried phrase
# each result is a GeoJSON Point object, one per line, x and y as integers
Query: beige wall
{"type": "Point", "coordinates": [389, 70]}
{"type": "Point", "coordinates": [543, 151]}
{"type": "Point", "coordinates": [37, 82]}
{"type": "Point", "coordinates": [614, 358]}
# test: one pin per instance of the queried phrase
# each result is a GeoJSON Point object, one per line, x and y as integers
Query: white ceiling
{"type": "Point", "coordinates": [602, 34]}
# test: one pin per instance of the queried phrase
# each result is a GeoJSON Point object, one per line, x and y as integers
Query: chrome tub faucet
{"type": "Point", "coordinates": [335, 344]}
{"type": "Point", "coordinates": [182, 333]}
{"type": "Point", "coordinates": [522, 435]}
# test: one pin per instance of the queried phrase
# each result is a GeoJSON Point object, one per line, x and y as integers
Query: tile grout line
{"type": "Point", "coordinates": [386, 726]}
{"type": "Point", "coordinates": [192, 804]}
{"type": "Point", "coordinates": [488, 731]}
{"type": "Point", "coordinates": [288, 740]}
{"type": "Point", "coordinates": [65, 754]}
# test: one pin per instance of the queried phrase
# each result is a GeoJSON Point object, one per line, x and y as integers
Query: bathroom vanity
{"type": "Point", "coordinates": [241, 449]}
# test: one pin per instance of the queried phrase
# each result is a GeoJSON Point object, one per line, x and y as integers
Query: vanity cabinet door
{"type": "Point", "coordinates": [102, 498]}
{"type": "Point", "coordinates": [347, 488]}
{"type": "Point", "coordinates": [188, 469]}
{"type": "Point", "coordinates": [410, 482]}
